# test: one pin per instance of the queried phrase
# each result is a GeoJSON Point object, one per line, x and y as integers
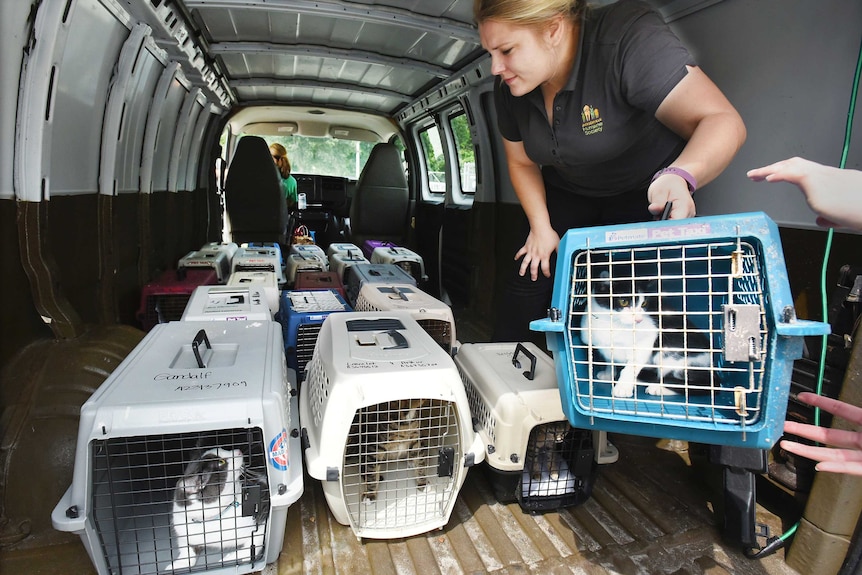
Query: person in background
{"type": "Point", "coordinates": [833, 194]}
{"type": "Point", "coordinates": [605, 117]}
{"type": "Point", "coordinates": [288, 182]}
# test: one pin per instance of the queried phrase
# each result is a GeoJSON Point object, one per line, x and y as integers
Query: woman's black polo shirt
{"type": "Point", "coordinates": [606, 139]}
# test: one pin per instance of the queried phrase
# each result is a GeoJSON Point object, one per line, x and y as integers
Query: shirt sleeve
{"type": "Point", "coordinates": [652, 60]}
{"type": "Point", "coordinates": [503, 104]}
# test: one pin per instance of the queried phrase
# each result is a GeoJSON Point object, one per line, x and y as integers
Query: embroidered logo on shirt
{"type": "Point", "coordinates": [591, 121]}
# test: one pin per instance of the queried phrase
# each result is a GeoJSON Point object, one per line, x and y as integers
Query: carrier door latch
{"type": "Point", "coordinates": [446, 462]}
{"type": "Point", "coordinates": [741, 332]}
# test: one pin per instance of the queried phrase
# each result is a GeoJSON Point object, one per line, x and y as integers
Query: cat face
{"type": "Point", "coordinates": [627, 300]}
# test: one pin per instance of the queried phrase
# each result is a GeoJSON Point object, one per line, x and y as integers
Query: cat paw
{"type": "Point", "coordinates": [659, 389]}
{"type": "Point", "coordinates": [554, 476]}
{"type": "Point", "coordinates": [624, 390]}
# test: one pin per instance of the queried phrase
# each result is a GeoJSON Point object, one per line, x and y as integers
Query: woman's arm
{"type": "Point", "coordinates": [698, 111]}
{"type": "Point", "coordinates": [529, 186]}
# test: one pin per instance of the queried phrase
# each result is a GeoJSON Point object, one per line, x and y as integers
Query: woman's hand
{"type": "Point", "coordinates": [671, 188]}
{"type": "Point", "coordinates": [537, 252]}
{"type": "Point", "coordinates": [845, 455]}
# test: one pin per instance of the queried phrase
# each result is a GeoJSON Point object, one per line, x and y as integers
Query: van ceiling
{"type": "Point", "coordinates": [376, 56]}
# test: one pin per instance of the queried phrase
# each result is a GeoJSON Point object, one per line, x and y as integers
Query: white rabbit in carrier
{"type": "Point", "coordinates": [188, 455]}
{"type": "Point", "coordinates": [386, 424]}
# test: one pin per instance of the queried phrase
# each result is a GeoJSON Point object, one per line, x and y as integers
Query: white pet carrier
{"type": "Point", "coordinates": [361, 274]}
{"type": "Point", "coordinates": [259, 260]}
{"type": "Point", "coordinates": [341, 262]}
{"type": "Point", "coordinates": [406, 259]}
{"type": "Point", "coordinates": [267, 281]}
{"type": "Point", "coordinates": [386, 424]}
{"type": "Point", "coordinates": [207, 258]}
{"type": "Point", "coordinates": [433, 315]}
{"type": "Point", "coordinates": [266, 246]}
{"type": "Point", "coordinates": [191, 396]}
{"type": "Point", "coordinates": [342, 248]}
{"type": "Point", "coordinates": [300, 263]}
{"type": "Point", "coordinates": [312, 250]}
{"type": "Point", "coordinates": [532, 453]}
{"type": "Point", "coordinates": [227, 303]}
{"type": "Point", "coordinates": [229, 248]}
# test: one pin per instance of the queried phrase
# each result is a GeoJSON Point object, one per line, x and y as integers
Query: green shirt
{"type": "Point", "coordinates": [289, 186]}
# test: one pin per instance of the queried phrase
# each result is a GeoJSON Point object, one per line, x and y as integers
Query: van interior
{"type": "Point", "coordinates": [134, 132]}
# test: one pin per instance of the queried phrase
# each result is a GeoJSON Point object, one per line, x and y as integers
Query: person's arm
{"type": "Point", "coordinates": [832, 193]}
{"type": "Point", "coordinates": [846, 454]}
{"type": "Point", "coordinates": [697, 111]}
{"type": "Point", "coordinates": [529, 186]}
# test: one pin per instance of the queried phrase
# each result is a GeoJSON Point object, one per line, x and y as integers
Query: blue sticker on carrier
{"type": "Point", "coordinates": [681, 329]}
{"type": "Point", "coordinates": [279, 451]}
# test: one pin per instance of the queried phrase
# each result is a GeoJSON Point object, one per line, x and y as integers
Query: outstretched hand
{"type": "Point", "coordinates": [832, 193]}
{"type": "Point", "coordinates": [845, 453]}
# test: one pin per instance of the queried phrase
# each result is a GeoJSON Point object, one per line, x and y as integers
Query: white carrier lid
{"type": "Point", "coordinates": [311, 301]}
{"type": "Point", "coordinates": [384, 342]}
{"type": "Point", "coordinates": [228, 303]}
{"type": "Point", "coordinates": [268, 281]}
{"type": "Point", "coordinates": [342, 248]}
{"type": "Point", "coordinates": [308, 250]}
{"type": "Point", "coordinates": [400, 296]}
{"type": "Point", "coordinates": [174, 379]}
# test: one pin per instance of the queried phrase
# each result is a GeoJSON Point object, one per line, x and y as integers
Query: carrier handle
{"type": "Point", "coordinates": [531, 373]}
{"type": "Point", "coordinates": [200, 338]}
{"type": "Point", "coordinates": [400, 340]}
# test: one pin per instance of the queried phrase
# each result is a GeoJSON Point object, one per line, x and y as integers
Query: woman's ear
{"type": "Point", "coordinates": [555, 30]}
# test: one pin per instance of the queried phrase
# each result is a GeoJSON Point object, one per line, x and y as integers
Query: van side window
{"type": "Point", "coordinates": [465, 150]}
{"type": "Point", "coordinates": [435, 159]}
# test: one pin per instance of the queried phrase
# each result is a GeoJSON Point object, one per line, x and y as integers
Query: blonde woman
{"type": "Point", "coordinates": [288, 182]}
{"type": "Point", "coordinates": [605, 117]}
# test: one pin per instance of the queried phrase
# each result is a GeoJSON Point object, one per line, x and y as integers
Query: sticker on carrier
{"type": "Point", "coordinates": [655, 325]}
{"type": "Point", "coordinates": [399, 464]}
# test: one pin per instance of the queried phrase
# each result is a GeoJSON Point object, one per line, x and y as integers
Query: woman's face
{"type": "Point", "coordinates": [521, 56]}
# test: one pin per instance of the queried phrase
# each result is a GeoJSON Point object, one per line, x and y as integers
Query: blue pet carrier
{"type": "Point", "coordinates": [301, 313]}
{"type": "Point", "coordinates": [718, 370]}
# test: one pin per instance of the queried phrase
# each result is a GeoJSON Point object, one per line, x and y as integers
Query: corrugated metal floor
{"type": "Point", "coordinates": [651, 513]}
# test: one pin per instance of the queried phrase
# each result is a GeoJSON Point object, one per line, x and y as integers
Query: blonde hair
{"type": "Point", "coordinates": [282, 162]}
{"type": "Point", "coordinates": [532, 13]}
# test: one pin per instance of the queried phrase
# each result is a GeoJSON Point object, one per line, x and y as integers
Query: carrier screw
{"type": "Point", "coordinates": [282, 488]}
{"type": "Point", "coordinates": [554, 314]}
{"type": "Point", "coordinates": [72, 512]}
{"type": "Point", "coordinates": [294, 432]}
{"type": "Point", "coordinates": [514, 458]}
{"type": "Point", "coordinates": [491, 449]}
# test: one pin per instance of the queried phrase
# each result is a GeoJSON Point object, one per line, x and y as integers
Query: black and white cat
{"type": "Point", "coordinates": [207, 509]}
{"type": "Point", "coordinates": [621, 325]}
